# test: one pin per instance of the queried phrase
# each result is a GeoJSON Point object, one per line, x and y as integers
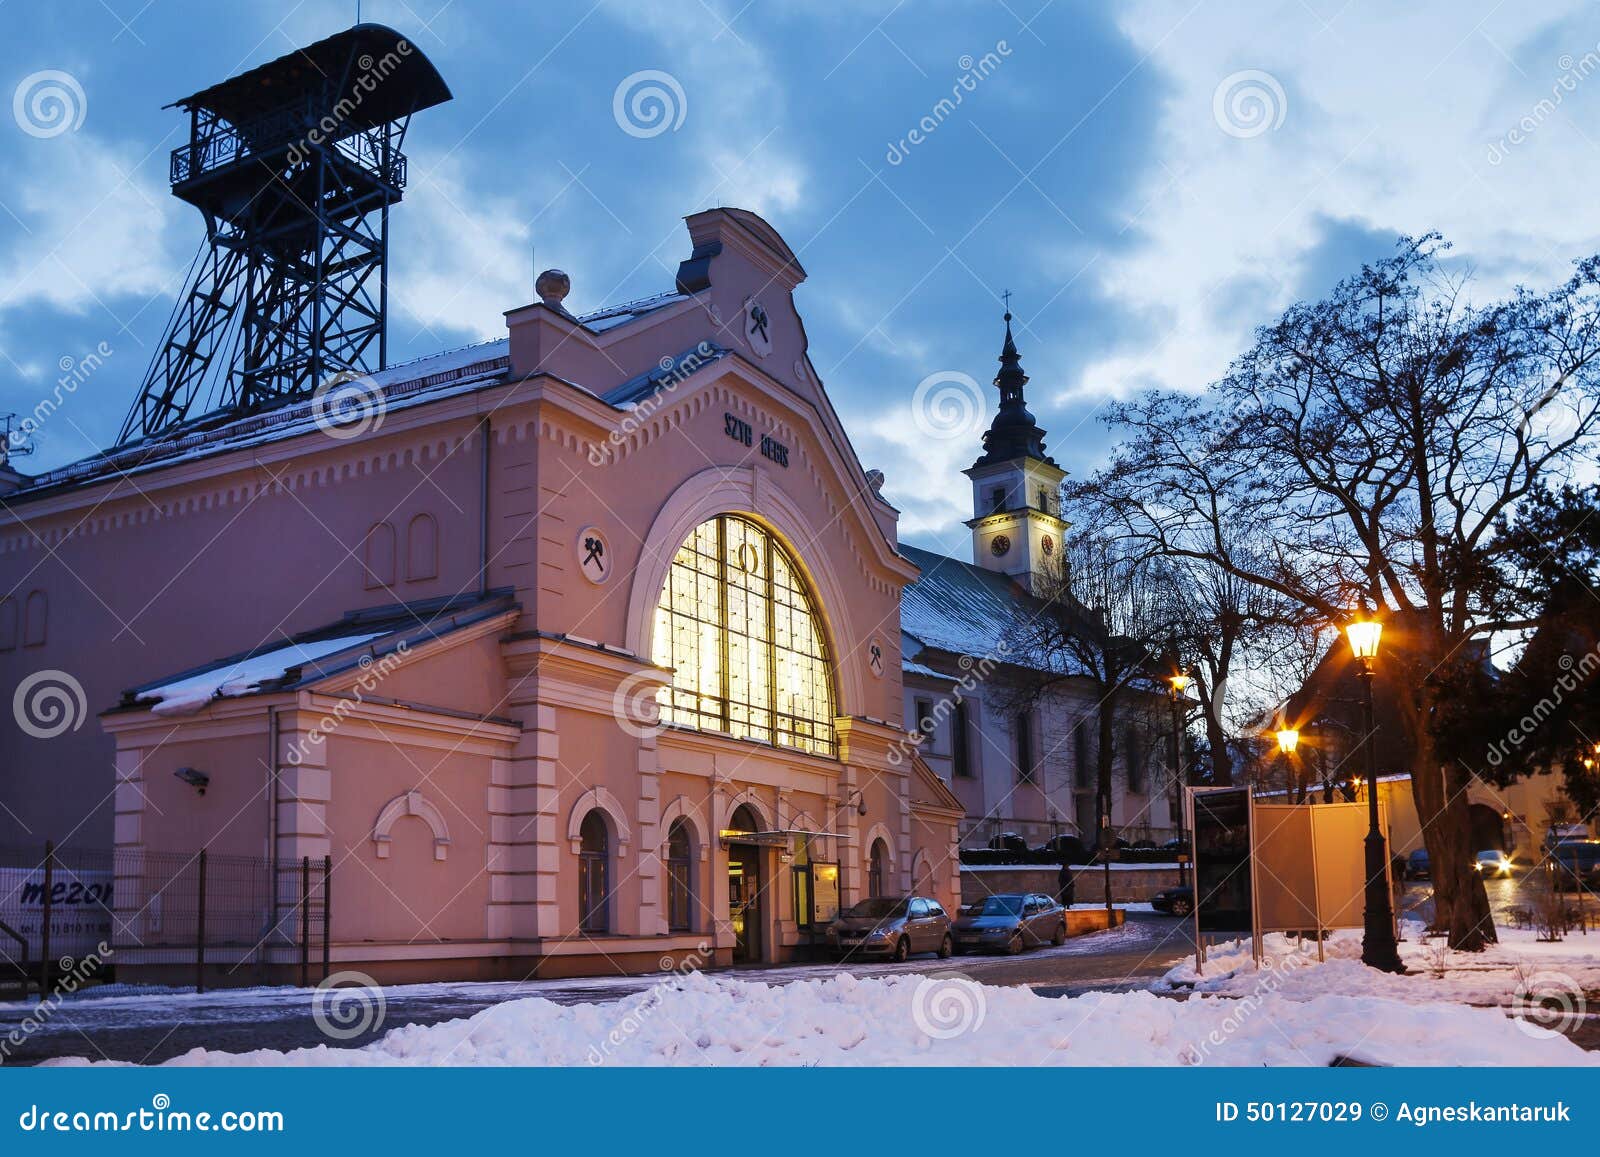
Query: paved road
{"type": "Point", "coordinates": [152, 1028]}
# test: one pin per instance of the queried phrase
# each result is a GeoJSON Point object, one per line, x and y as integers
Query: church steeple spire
{"type": "Point", "coordinates": [1016, 525]}
{"type": "Point", "coordinates": [1014, 433]}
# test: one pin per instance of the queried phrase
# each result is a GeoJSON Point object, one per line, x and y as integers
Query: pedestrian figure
{"type": "Point", "coordinates": [1065, 885]}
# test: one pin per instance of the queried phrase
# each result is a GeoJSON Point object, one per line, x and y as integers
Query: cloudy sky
{"type": "Point", "coordinates": [1150, 184]}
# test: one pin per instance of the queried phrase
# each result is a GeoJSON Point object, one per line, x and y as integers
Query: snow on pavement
{"type": "Point", "coordinates": [912, 1019]}
{"type": "Point", "coordinates": [1502, 976]}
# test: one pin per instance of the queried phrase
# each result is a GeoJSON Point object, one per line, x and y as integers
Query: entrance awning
{"type": "Point", "coordinates": [773, 839]}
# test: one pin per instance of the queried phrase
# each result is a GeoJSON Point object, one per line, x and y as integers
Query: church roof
{"type": "Point", "coordinates": [963, 609]}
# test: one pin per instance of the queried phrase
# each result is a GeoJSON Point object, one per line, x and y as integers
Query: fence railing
{"type": "Point", "coordinates": [62, 908]}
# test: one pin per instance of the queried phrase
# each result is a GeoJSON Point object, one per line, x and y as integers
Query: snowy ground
{"type": "Point", "coordinates": [1502, 977]}
{"type": "Point", "coordinates": [146, 1025]}
{"type": "Point", "coordinates": [1290, 1011]}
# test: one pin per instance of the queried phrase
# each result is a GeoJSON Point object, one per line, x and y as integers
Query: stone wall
{"type": "Point", "coordinates": [1130, 884]}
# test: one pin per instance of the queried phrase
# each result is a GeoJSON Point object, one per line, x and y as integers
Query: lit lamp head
{"type": "Point", "coordinates": [1363, 635]}
{"type": "Point", "coordinates": [1180, 683]}
{"type": "Point", "coordinates": [1288, 740]}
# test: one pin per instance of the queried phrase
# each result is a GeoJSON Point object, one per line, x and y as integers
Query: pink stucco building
{"type": "Point", "coordinates": [574, 650]}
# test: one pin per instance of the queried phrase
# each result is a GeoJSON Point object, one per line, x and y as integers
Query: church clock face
{"type": "Point", "coordinates": [1000, 545]}
{"type": "Point", "coordinates": [1047, 544]}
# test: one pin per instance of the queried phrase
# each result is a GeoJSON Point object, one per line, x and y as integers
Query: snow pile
{"type": "Point", "coordinates": [1500, 976]}
{"type": "Point", "coordinates": [942, 1020]}
{"type": "Point", "coordinates": [184, 696]}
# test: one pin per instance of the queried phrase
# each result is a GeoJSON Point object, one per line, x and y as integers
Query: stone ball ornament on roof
{"type": "Point", "coordinates": [552, 286]}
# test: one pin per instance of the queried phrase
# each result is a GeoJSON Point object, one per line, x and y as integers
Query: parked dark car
{"type": "Point", "coordinates": [1009, 842]}
{"type": "Point", "coordinates": [1009, 923]}
{"type": "Point", "coordinates": [1417, 867]}
{"type": "Point", "coordinates": [892, 926]}
{"type": "Point", "coordinates": [1063, 850]}
{"type": "Point", "coordinates": [1177, 901]}
{"type": "Point", "coordinates": [1575, 865]}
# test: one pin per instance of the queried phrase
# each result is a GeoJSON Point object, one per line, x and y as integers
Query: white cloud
{"type": "Point", "coordinates": [91, 225]}
{"type": "Point", "coordinates": [1390, 116]}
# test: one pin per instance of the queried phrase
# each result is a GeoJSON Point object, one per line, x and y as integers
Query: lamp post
{"type": "Point", "coordinates": [1177, 684]}
{"type": "Point", "coordinates": [1288, 740]}
{"type": "Point", "coordinates": [1378, 949]}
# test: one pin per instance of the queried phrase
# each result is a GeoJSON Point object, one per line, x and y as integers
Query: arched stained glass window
{"type": "Point", "coordinates": [741, 633]}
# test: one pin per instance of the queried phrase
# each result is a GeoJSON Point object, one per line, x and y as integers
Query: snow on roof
{"type": "Point", "coordinates": [964, 609]}
{"type": "Point", "coordinates": [244, 676]}
{"type": "Point", "coordinates": [404, 385]}
{"type": "Point", "coordinates": [612, 316]}
{"type": "Point", "coordinates": [667, 374]}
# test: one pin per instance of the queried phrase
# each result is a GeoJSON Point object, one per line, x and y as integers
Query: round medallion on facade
{"type": "Point", "coordinates": [594, 554]}
{"type": "Point", "coordinates": [1047, 544]}
{"type": "Point", "coordinates": [1000, 545]}
{"type": "Point", "coordinates": [875, 657]}
{"type": "Point", "coordinates": [757, 327]}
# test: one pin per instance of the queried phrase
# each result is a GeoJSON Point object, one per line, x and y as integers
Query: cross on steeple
{"type": "Point", "coordinates": [1014, 433]}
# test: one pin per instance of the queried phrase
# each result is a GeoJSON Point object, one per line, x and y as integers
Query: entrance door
{"type": "Point", "coordinates": [744, 901]}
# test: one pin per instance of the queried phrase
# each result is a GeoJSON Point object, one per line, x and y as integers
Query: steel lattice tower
{"type": "Point", "coordinates": [294, 165]}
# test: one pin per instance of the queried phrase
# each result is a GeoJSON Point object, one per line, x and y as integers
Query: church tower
{"type": "Point", "coordinates": [1016, 521]}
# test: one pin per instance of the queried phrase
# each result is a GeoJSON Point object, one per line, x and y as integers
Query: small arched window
{"type": "Point", "coordinates": [35, 616]}
{"type": "Point", "coordinates": [680, 877]}
{"type": "Point", "coordinates": [744, 640]}
{"type": "Point", "coordinates": [594, 874]}
{"type": "Point", "coordinates": [8, 624]}
{"type": "Point", "coordinates": [878, 869]}
{"type": "Point", "coordinates": [377, 556]}
{"type": "Point", "coordinates": [422, 549]}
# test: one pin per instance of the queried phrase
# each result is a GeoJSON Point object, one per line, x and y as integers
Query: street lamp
{"type": "Point", "coordinates": [1288, 740]}
{"type": "Point", "coordinates": [1177, 684]}
{"type": "Point", "coordinates": [1378, 949]}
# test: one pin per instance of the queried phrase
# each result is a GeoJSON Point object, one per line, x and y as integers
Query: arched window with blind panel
{"type": "Point", "coordinates": [742, 634]}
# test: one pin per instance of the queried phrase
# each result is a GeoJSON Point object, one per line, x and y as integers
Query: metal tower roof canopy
{"type": "Point", "coordinates": [344, 60]}
{"type": "Point", "coordinates": [295, 166]}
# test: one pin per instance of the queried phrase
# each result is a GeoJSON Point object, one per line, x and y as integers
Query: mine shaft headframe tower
{"type": "Point", "coordinates": [295, 165]}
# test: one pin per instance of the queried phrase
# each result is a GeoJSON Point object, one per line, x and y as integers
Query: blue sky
{"type": "Point", "coordinates": [1100, 169]}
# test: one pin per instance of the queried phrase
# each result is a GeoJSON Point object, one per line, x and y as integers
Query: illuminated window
{"type": "Point", "coordinates": [738, 628]}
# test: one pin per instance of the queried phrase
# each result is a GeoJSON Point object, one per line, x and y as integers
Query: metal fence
{"type": "Point", "coordinates": [73, 913]}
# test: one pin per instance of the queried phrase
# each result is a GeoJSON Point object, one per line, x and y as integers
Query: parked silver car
{"type": "Point", "coordinates": [1010, 922]}
{"type": "Point", "coordinates": [892, 926]}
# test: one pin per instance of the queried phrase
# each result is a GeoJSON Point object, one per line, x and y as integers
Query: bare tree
{"type": "Point", "coordinates": [1102, 607]}
{"type": "Point", "coordinates": [1374, 439]}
